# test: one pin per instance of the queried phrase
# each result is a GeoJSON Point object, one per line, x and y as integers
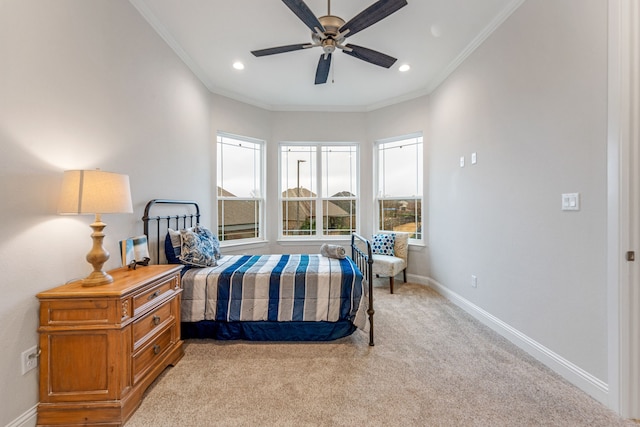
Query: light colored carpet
{"type": "Point", "coordinates": [432, 365]}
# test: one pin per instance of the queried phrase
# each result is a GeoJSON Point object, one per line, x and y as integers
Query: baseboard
{"type": "Point", "coordinates": [577, 376]}
{"type": "Point", "coordinates": [27, 419]}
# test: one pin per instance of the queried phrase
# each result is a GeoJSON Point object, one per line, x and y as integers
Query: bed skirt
{"type": "Point", "coordinates": [268, 331]}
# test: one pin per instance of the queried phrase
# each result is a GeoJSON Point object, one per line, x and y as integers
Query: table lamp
{"type": "Point", "coordinates": [95, 192]}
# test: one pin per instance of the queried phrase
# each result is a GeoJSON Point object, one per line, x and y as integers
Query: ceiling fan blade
{"type": "Point", "coordinates": [369, 55]}
{"type": "Point", "coordinates": [281, 49]}
{"type": "Point", "coordinates": [305, 14]}
{"type": "Point", "coordinates": [322, 72]}
{"type": "Point", "coordinates": [374, 13]}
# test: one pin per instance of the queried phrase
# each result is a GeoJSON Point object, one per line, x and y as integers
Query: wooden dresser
{"type": "Point", "coordinates": [102, 346]}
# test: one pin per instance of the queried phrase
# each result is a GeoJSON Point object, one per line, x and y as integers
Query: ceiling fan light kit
{"type": "Point", "coordinates": [329, 32]}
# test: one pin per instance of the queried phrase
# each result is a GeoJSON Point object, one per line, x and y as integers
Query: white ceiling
{"type": "Point", "coordinates": [432, 36]}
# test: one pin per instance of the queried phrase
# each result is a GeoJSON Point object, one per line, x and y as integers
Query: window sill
{"type": "Point", "coordinates": [311, 241]}
{"type": "Point", "coordinates": [417, 246]}
{"type": "Point", "coordinates": [246, 244]}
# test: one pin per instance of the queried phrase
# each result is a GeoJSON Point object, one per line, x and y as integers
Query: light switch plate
{"type": "Point", "coordinates": [474, 158]}
{"type": "Point", "coordinates": [462, 161]}
{"type": "Point", "coordinates": [571, 202]}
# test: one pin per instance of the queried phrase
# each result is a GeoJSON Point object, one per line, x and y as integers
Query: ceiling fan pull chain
{"type": "Point", "coordinates": [333, 72]}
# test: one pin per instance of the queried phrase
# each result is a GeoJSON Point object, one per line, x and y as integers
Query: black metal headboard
{"type": "Point", "coordinates": [181, 214]}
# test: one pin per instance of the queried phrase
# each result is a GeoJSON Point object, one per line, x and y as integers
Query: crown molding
{"type": "Point", "coordinates": [164, 33]}
{"type": "Point", "coordinates": [475, 43]}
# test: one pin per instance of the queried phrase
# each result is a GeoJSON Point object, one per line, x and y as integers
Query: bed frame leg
{"type": "Point", "coordinates": [370, 310]}
{"type": "Point", "coordinates": [365, 263]}
{"type": "Point", "coordinates": [370, 313]}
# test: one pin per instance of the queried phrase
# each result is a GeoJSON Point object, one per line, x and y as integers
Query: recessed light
{"type": "Point", "coordinates": [404, 68]}
{"type": "Point", "coordinates": [238, 65]}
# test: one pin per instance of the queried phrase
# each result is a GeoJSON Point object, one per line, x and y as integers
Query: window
{"type": "Point", "coordinates": [399, 185]}
{"type": "Point", "coordinates": [318, 190]}
{"type": "Point", "coordinates": [240, 188]}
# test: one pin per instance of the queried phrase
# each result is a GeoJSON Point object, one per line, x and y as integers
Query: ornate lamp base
{"type": "Point", "coordinates": [97, 257]}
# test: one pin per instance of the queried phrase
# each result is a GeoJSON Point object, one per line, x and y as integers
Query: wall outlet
{"type": "Point", "coordinates": [474, 281]}
{"type": "Point", "coordinates": [30, 359]}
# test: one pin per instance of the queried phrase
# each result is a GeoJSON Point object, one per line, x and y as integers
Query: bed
{"type": "Point", "coordinates": [275, 297]}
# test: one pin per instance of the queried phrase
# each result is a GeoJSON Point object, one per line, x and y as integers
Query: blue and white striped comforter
{"type": "Point", "coordinates": [278, 288]}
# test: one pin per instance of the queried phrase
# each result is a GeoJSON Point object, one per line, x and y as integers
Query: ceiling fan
{"type": "Point", "coordinates": [330, 32]}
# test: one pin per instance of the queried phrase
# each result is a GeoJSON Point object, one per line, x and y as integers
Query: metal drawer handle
{"type": "Point", "coordinates": [153, 295]}
{"type": "Point", "coordinates": [156, 349]}
{"type": "Point", "coordinates": [156, 320]}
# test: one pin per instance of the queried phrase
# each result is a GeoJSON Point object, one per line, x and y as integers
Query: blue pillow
{"type": "Point", "coordinates": [196, 250]}
{"type": "Point", "coordinates": [172, 247]}
{"type": "Point", "coordinates": [205, 233]}
{"type": "Point", "coordinates": [198, 246]}
{"type": "Point", "coordinates": [383, 244]}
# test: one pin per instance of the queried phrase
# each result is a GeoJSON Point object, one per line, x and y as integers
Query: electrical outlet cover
{"type": "Point", "coordinates": [29, 359]}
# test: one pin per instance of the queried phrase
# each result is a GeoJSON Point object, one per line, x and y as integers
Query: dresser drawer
{"type": "Point", "coordinates": [81, 312]}
{"type": "Point", "coordinates": [154, 293]}
{"type": "Point", "coordinates": [152, 322]}
{"type": "Point", "coordinates": [146, 358]}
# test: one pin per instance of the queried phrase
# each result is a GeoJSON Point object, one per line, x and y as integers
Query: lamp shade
{"type": "Point", "coordinates": [94, 192]}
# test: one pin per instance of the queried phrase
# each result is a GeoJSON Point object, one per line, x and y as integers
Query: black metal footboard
{"type": "Point", "coordinates": [361, 255]}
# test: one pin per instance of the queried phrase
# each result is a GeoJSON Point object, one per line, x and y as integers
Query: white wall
{"type": "Point", "coordinates": [532, 102]}
{"type": "Point", "coordinates": [82, 85]}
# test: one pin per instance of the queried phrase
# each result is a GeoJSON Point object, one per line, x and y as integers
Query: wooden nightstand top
{"type": "Point", "coordinates": [124, 282]}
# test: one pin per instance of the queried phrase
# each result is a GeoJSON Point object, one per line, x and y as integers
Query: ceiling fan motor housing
{"type": "Point", "coordinates": [331, 25]}
{"type": "Point", "coordinates": [328, 45]}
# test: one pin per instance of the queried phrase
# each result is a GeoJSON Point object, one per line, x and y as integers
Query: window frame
{"type": "Point", "coordinates": [262, 200]}
{"type": "Point", "coordinates": [377, 190]}
{"type": "Point", "coordinates": [318, 199]}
